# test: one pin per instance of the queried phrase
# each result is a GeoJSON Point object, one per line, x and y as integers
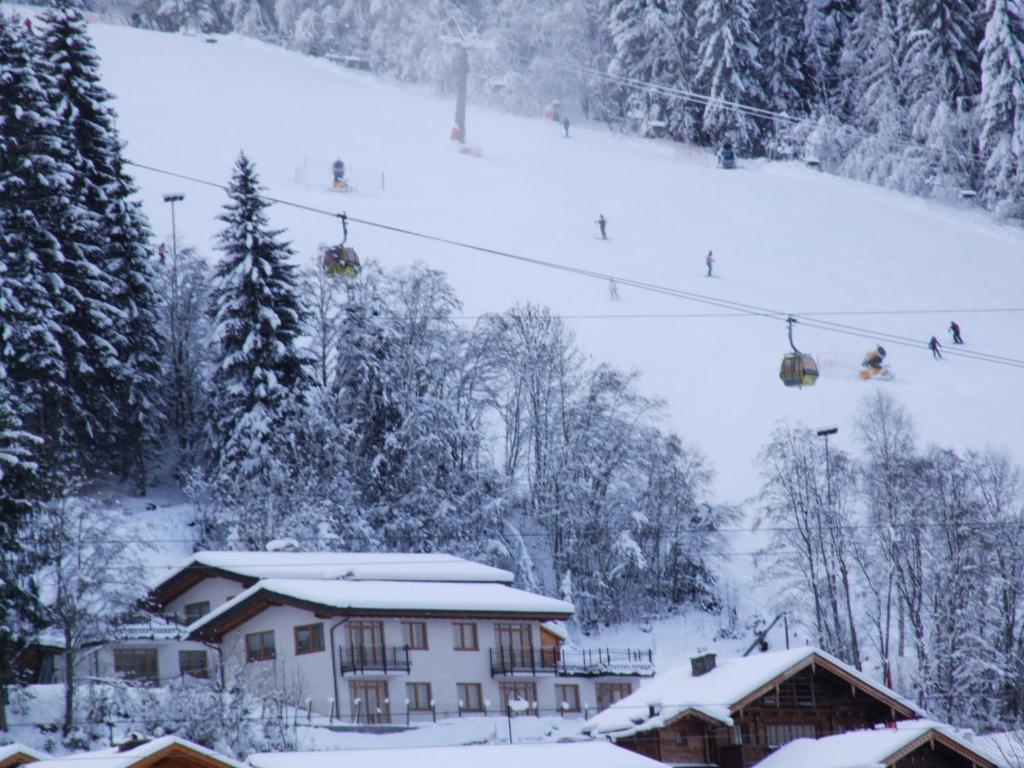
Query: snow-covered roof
{"type": "Point", "coordinates": [593, 754]}
{"type": "Point", "coordinates": [10, 751]}
{"type": "Point", "coordinates": [876, 748]}
{"type": "Point", "coordinates": [409, 598]}
{"type": "Point", "coordinates": [715, 693]}
{"type": "Point", "coordinates": [114, 758]}
{"type": "Point", "coordinates": [376, 566]}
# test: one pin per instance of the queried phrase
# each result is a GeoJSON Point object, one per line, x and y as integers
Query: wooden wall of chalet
{"type": "Point", "coordinates": [810, 703]}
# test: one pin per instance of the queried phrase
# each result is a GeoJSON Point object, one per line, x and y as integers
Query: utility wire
{"type": "Point", "coordinates": [741, 307]}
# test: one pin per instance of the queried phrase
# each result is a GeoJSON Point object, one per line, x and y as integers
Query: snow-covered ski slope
{"type": "Point", "coordinates": [784, 237]}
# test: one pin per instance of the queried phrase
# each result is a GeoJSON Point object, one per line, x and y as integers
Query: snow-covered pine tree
{"type": "Point", "coordinates": [93, 325]}
{"type": "Point", "coordinates": [728, 72]}
{"type": "Point", "coordinates": [826, 27]}
{"type": "Point", "coordinates": [121, 284]}
{"type": "Point", "coordinates": [872, 54]}
{"type": "Point", "coordinates": [653, 43]}
{"type": "Point", "coordinates": [938, 69]}
{"type": "Point", "coordinates": [258, 367]}
{"type": "Point", "coordinates": [19, 608]}
{"type": "Point", "coordinates": [35, 204]}
{"type": "Point", "coordinates": [1002, 107]}
{"type": "Point", "coordinates": [786, 84]}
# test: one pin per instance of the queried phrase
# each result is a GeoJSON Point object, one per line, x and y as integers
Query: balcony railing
{"type": "Point", "coordinates": [358, 659]}
{"type": "Point", "coordinates": [587, 662]}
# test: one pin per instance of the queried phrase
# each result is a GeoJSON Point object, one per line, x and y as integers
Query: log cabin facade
{"type": "Point", "coordinates": [735, 715]}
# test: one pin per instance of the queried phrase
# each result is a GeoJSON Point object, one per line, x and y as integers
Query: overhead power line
{"type": "Point", "coordinates": [815, 322]}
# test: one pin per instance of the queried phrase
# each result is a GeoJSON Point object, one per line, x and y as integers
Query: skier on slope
{"type": "Point", "coordinates": [934, 346]}
{"type": "Point", "coordinates": [565, 125]}
{"type": "Point", "coordinates": [954, 328]}
{"type": "Point", "coordinates": [602, 222]}
{"type": "Point", "coordinates": [709, 260]}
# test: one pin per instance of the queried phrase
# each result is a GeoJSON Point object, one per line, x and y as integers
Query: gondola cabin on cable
{"type": "Point", "coordinates": [798, 369]}
{"type": "Point", "coordinates": [341, 259]}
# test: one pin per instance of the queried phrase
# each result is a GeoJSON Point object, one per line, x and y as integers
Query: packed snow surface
{"type": "Point", "coordinates": [356, 566]}
{"type": "Point", "coordinates": [869, 748]}
{"type": "Point", "coordinates": [784, 237]}
{"type": "Point", "coordinates": [590, 754]}
{"type": "Point", "coordinates": [491, 599]}
{"type": "Point", "coordinates": [714, 693]}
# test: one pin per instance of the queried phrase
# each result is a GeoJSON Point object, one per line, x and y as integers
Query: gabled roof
{"type": "Point", "coordinates": [731, 685]}
{"type": "Point", "coordinates": [145, 755]}
{"type": "Point", "coordinates": [19, 754]}
{"type": "Point", "coordinates": [249, 567]}
{"type": "Point", "coordinates": [878, 748]}
{"type": "Point", "coordinates": [592, 754]}
{"type": "Point", "coordinates": [379, 598]}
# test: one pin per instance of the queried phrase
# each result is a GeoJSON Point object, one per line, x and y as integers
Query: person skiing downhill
{"type": "Point", "coordinates": [709, 260]}
{"type": "Point", "coordinates": [565, 124]}
{"type": "Point", "coordinates": [602, 222]}
{"type": "Point", "coordinates": [934, 346]}
{"type": "Point", "coordinates": [954, 328]}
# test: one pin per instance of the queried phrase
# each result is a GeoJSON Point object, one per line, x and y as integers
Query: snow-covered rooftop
{"type": "Point", "coordinates": [356, 566]}
{"type": "Point", "coordinates": [425, 597]}
{"type": "Point", "coordinates": [872, 748]}
{"type": "Point", "coordinates": [114, 758]}
{"type": "Point", "coordinates": [7, 751]}
{"type": "Point", "coordinates": [593, 754]}
{"type": "Point", "coordinates": [714, 693]}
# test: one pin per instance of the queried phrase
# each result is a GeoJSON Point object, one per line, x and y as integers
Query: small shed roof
{"type": "Point", "coordinates": [167, 750]}
{"type": "Point", "coordinates": [878, 748]}
{"type": "Point", "coordinates": [18, 754]}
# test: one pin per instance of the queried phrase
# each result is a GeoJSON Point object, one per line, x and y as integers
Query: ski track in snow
{"type": "Point", "coordinates": [784, 237]}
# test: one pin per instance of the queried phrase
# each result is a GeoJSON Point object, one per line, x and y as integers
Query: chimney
{"type": "Point", "coordinates": [701, 665]}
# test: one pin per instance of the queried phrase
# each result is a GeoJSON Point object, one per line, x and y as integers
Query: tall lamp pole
{"type": "Point", "coordinates": [172, 199]}
{"type": "Point", "coordinates": [826, 433]}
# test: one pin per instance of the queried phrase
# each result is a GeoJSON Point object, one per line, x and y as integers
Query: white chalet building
{"type": "Point", "coordinates": [387, 638]}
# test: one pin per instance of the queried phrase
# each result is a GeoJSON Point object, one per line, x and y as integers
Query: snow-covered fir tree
{"type": "Point", "coordinates": [786, 83]}
{"type": "Point", "coordinates": [257, 320]}
{"type": "Point", "coordinates": [939, 71]}
{"type": "Point", "coordinates": [729, 72]}
{"type": "Point", "coordinates": [35, 202]}
{"type": "Point", "coordinates": [126, 365]}
{"type": "Point", "coordinates": [1002, 106]}
{"type": "Point", "coordinates": [654, 44]}
{"type": "Point", "coordinates": [826, 27]}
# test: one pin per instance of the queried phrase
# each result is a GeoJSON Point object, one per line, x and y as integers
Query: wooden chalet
{"type": "Point", "coordinates": [735, 714]}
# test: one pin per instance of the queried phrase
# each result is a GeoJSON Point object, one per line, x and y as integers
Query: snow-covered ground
{"type": "Point", "coordinates": [784, 237]}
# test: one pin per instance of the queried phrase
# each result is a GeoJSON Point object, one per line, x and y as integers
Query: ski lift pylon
{"type": "Point", "coordinates": [798, 369]}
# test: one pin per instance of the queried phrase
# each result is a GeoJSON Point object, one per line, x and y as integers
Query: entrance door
{"type": "Point", "coordinates": [369, 701]}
